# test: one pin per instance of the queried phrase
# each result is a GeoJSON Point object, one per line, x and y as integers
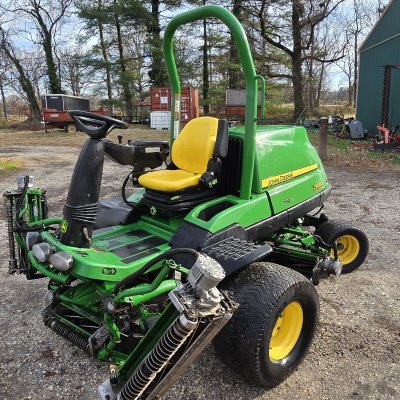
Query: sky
{"type": "Point", "coordinates": [73, 25]}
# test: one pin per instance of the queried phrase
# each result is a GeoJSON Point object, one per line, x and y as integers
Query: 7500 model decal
{"type": "Point", "coordinates": [276, 180]}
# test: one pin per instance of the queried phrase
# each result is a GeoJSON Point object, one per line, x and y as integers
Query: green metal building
{"type": "Point", "coordinates": [378, 95]}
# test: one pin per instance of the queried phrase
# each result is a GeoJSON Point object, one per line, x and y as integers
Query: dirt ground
{"type": "Point", "coordinates": [356, 352]}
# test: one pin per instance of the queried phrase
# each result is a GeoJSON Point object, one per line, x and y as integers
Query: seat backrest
{"type": "Point", "coordinates": [194, 146]}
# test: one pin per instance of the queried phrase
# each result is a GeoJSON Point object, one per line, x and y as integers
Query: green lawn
{"type": "Point", "coordinates": [8, 164]}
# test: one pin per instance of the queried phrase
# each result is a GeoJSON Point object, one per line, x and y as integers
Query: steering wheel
{"type": "Point", "coordinates": [94, 125]}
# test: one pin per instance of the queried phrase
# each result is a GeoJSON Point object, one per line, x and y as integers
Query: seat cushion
{"type": "Point", "coordinates": [191, 151]}
{"type": "Point", "coordinates": [169, 180]}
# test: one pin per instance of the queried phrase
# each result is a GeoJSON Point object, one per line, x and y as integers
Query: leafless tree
{"type": "Point", "coordinates": [290, 27]}
{"type": "Point", "coordinates": [47, 17]}
{"type": "Point", "coordinates": [75, 73]}
{"type": "Point", "coordinates": [23, 79]}
{"type": "Point", "coordinates": [360, 18]}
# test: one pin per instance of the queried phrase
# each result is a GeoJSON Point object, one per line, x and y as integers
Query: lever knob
{"type": "Point", "coordinates": [120, 137]}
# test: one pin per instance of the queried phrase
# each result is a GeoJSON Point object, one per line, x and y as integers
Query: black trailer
{"type": "Point", "coordinates": [55, 109]}
{"type": "Point", "coordinates": [63, 102]}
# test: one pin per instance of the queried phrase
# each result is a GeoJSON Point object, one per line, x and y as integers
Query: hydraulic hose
{"type": "Point", "coordinates": [123, 192]}
{"type": "Point", "coordinates": [328, 246]}
{"type": "Point", "coordinates": [131, 278]}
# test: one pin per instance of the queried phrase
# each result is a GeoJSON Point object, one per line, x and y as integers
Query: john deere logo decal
{"type": "Point", "coordinates": [276, 180]}
{"type": "Point", "coordinates": [318, 186]}
{"type": "Point", "coordinates": [64, 226]}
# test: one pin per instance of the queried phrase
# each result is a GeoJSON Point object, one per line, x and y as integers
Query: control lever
{"type": "Point", "coordinates": [120, 137]}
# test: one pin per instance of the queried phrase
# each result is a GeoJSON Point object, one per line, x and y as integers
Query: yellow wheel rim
{"type": "Point", "coordinates": [348, 249]}
{"type": "Point", "coordinates": [286, 331]}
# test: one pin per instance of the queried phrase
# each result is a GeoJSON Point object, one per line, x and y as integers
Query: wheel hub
{"type": "Point", "coordinates": [348, 248]}
{"type": "Point", "coordinates": [286, 331]}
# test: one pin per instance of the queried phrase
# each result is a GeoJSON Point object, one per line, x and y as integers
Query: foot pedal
{"type": "Point", "coordinates": [234, 254]}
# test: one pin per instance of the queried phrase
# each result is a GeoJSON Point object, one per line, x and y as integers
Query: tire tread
{"type": "Point", "coordinates": [258, 289]}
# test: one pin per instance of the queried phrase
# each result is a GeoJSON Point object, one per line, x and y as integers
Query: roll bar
{"type": "Point", "coordinates": [251, 79]}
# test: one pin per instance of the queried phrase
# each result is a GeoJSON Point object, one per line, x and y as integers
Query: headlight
{"type": "Point", "coordinates": [62, 261]}
{"type": "Point", "coordinates": [42, 251]}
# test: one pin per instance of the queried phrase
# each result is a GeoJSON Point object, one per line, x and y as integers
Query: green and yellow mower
{"type": "Point", "coordinates": [222, 241]}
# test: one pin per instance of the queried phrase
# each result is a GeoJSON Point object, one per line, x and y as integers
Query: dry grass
{"type": "Point", "coordinates": [341, 152]}
{"type": "Point", "coordinates": [58, 137]}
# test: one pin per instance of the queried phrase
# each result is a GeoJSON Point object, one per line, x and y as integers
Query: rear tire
{"type": "Point", "coordinates": [269, 335]}
{"type": "Point", "coordinates": [352, 242]}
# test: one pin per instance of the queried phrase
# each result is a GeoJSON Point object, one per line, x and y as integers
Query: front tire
{"type": "Point", "coordinates": [269, 335]}
{"type": "Point", "coordinates": [352, 243]}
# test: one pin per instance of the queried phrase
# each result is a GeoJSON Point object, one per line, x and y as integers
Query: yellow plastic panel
{"type": "Point", "coordinates": [194, 146]}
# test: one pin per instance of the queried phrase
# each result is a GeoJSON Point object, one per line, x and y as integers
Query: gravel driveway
{"type": "Point", "coordinates": [355, 355]}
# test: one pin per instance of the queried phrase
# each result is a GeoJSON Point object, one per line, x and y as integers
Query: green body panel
{"type": "Point", "coordinates": [298, 190]}
{"type": "Point", "coordinates": [99, 262]}
{"type": "Point", "coordinates": [242, 212]}
{"type": "Point", "coordinates": [280, 150]}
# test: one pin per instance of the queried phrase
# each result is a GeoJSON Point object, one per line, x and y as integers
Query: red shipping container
{"type": "Point", "coordinates": [161, 101]}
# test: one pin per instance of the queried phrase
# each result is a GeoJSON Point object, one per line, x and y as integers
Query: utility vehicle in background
{"type": "Point", "coordinates": [222, 245]}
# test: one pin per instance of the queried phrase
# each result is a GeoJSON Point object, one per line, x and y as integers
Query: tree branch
{"type": "Point", "coordinates": [264, 34]}
{"type": "Point", "coordinates": [323, 61]}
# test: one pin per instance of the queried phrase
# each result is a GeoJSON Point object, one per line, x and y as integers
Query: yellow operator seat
{"type": "Point", "coordinates": [191, 152]}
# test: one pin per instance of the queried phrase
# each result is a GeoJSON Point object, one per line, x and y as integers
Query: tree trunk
{"type": "Point", "coordinates": [350, 94]}
{"type": "Point", "coordinates": [320, 82]}
{"type": "Point", "coordinates": [54, 82]}
{"type": "Point", "coordinates": [124, 76]}
{"type": "Point", "coordinates": [310, 86]}
{"type": "Point", "coordinates": [206, 82]}
{"type": "Point", "coordinates": [350, 83]}
{"type": "Point", "coordinates": [107, 68]}
{"type": "Point", "coordinates": [3, 99]}
{"type": "Point", "coordinates": [37, 89]}
{"type": "Point", "coordinates": [47, 43]}
{"type": "Point", "coordinates": [235, 76]}
{"type": "Point", "coordinates": [25, 83]}
{"type": "Point", "coordinates": [157, 73]}
{"type": "Point", "coordinates": [355, 69]}
{"type": "Point", "coordinates": [297, 62]}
